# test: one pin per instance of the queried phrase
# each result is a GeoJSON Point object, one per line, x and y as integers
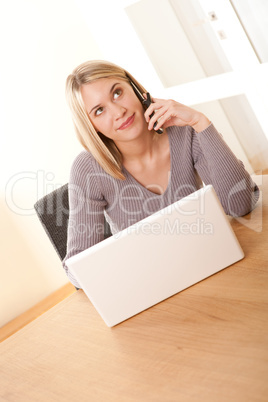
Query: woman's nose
{"type": "Point", "coordinates": [118, 111]}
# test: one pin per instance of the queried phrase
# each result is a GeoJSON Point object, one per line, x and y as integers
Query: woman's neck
{"type": "Point", "coordinates": [140, 150]}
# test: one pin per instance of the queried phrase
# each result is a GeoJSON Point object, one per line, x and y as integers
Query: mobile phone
{"type": "Point", "coordinates": [146, 103]}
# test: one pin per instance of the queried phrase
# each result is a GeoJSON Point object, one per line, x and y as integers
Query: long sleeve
{"type": "Point", "coordinates": [92, 191]}
{"type": "Point", "coordinates": [217, 165]}
{"type": "Point", "coordinates": [86, 219]}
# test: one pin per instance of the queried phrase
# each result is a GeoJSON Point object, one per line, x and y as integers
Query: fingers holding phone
{"type": "Point", "coordinates": [146, 101]}
{"type": "Point", "coordinates": [171, 113]}
{"type": "Point", "coordinates": [153, 123]}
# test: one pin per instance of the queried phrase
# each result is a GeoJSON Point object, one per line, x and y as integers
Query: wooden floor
{"type": "Point", "coordinates": [34, 312]}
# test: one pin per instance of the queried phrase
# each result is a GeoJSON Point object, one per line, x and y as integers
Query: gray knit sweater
{"type": "Point", "coordinates": [205, 156]}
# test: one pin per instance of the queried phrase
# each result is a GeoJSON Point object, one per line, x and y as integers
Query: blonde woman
{"type": "Point", "coordinates": [138, 161]}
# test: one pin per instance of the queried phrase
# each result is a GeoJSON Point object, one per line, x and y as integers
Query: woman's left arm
{"type": "Point", "coordinates": [213, 159]}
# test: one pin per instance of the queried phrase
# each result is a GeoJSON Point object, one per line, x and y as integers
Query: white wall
{"type": "Point", "coordinates": [41, 42]}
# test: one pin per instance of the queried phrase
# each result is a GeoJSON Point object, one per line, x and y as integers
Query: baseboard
{"type": "Point", "coordinates": [35, 311]}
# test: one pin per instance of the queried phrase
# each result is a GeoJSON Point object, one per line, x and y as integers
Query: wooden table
{"type": "Point", "coordinates": [208, 343]}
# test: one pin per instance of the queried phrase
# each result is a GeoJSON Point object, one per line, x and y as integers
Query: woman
{"type": "Point", "coordinates": [128, 170]}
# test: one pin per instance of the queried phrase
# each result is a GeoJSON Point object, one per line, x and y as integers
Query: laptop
{"type": "Point", "coordinates": [157, 257]}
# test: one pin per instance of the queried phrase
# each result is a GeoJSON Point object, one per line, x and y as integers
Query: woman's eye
{"type": "Point", "coordinates": [117, 93]}
{"type": "Point", "coordinates": [99, 111]}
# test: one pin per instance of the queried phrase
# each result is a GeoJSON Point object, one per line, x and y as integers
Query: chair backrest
{"type": "Point", "coordinates": [53, 212]}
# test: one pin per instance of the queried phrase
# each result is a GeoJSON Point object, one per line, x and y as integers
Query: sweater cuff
{"type": "Point", "coordinates": [210, 133]}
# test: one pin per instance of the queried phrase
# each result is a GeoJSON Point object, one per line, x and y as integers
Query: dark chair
{"type": "Point", "coordinates": [53, 212]}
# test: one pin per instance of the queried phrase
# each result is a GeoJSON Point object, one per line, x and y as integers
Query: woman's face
{"type": "Point", "coordinates": [114, 109]}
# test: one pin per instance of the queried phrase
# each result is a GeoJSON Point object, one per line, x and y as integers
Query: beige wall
{"type": "Point", "coordinates": [41, 42]}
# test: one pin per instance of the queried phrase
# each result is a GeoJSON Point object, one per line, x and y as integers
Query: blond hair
{"type": "Point", "coordinates": [103, 149]}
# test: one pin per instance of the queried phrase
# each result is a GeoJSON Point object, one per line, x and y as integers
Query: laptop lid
{"type": "Point", "coordinates": [157, 257]}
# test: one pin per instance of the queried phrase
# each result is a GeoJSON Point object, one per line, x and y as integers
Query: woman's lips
{"type": "Point", "coordinates": [127, 123]}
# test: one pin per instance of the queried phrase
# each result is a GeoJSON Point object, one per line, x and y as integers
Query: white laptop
{"type": "Point", "coordinates": [157, 257]}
